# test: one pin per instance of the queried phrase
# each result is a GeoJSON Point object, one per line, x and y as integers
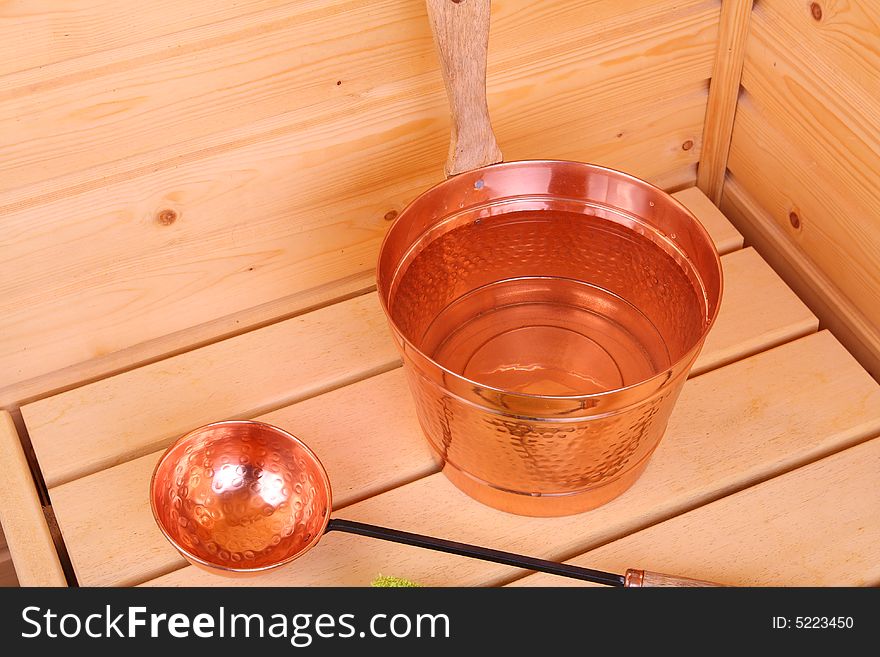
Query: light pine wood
{"type": "Point", "coordinates": [831, 270]}
{"type": "Point", "coordinates": [148, 196]}
{"type": "Point", "coordinates": [816, 526]}
{"type": "Point", "coordinates": [142, 410]}
{"type": "Point", "coordinates": [748, 322]}
{"type": "Point", "coordinates": [852, 328]}
{"type": "Point", "coordinates": [197, 336]}
{"type": "Point", "coordinates": [41, 34]}
{"type": "Point", "coordinates": [31, 548]}
{"type": "Point", "coordinates": [733, 31]}
{"type": "Point", "coordinates": [805, 151]}
{"type": "Point", "coordinates": [461, 34]}
{"type": "Point", "coordinates": [724, 234]}
{"type": "Point", "coordinates": [731, 428]}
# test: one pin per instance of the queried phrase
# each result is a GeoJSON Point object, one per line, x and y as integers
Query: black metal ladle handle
{"type": "Point", "coordinates": [477, 552]}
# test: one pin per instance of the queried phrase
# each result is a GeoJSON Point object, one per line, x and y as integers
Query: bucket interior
{"type": "Point", "coordinates": [562, 302]}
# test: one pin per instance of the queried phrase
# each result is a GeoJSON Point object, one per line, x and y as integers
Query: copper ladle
{"type": "Point", "coordinates": [242, 497]}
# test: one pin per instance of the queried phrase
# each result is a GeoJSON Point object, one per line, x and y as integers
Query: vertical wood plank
{"type": "Point", "coordinates": [723, 94]}
{"type": "Point", "coordinates": [30, 542]}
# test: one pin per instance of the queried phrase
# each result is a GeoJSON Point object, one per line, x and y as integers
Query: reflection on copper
{"type": "Point", "coordinates": [240, 497]}
{"type": "Point", "coordinates": [547, 313]}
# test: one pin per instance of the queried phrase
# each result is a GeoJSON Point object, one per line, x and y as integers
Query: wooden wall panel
{"type": "Point", "coordinates": [43, 33]}
{"type": "Point", "coordinates": [186, 174]}
{"type": "Point", "coordinates": [806, 152]}
{"type": "Point", "coordinates": [733, 31]}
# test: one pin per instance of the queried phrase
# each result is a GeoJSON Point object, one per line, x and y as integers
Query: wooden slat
{"type": "Point", "coordinates": [30, 542]}
{"type": "Point", "coordinates": [811, 284]}
{"type": "Point", "coordinates": [140, 411]}
{"type": "Point", "coordinates": [805, 148]}
{"type": "Point", "coordinates": [816, 526]}
{"type": "Point", "coordinates": [137, 412]}
{"type": "Point", "coordinates": [731, 428]}
{"type": "Point", "coordinates": [724, 234]}
{"type": "Point", "coordinates": [757, 312]}
{"type": "Point", "coordinates": [276, 66]}
{"type": "Point", "coordinates": [723, 92]}
{"type": "Point", "coordinates": [278, 179]}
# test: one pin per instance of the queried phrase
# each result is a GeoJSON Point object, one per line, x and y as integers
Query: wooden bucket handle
{"type": "Point", "coordinates": [461, 32]}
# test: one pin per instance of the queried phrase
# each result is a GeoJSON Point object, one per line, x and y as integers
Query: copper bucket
{"type": "Point", "coordinates": [547, 312]}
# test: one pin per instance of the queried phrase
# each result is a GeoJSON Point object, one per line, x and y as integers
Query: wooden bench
{"type": "Point", "coordinates": [766, 474]}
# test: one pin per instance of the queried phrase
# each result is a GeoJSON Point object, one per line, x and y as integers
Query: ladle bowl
{"type": "Point", "coordinates": [240, 497]}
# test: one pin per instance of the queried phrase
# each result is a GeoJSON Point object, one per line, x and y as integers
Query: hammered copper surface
{"type": "Point", "coordinates": [548, 314]}
{"type": "Point", "coordinates": [240, 497]}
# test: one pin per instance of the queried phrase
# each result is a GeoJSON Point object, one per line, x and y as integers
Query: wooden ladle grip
{"type": "Point", "coordinates": [646, 578]}
{"type": "Point", "coordinates": [461, 32]}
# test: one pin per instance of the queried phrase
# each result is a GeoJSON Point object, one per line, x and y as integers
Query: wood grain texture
{"type": "Point", "coordinates": [815, 526]}
{"type": "Point", "coordinates": [725, 236]}
{"type": "Point", "coordinates": [731, 428]}
{"type": "Point", "coordinates": [144, 353]}
{"type": "Point", "coordinates": [859, 335]}
{"type": "Point", "coordinates": [733, 31]}
{"type": "Point", "coordinates": [31, 548]}
{"type": "Point", "coordinates": [142, 410]}
{"type": "Point", "coordinates": [149, 195]}
{"type": "Point", "coordinates": [748, 322]}
{"type": "Point", "coordinates": [39, 34]}
{"type": "Point", "coordinates": [461, 34]}
{"type": "Point", "coordinates": [805, 147]}
{"type": "Point", "coordinates": [279, 66]}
